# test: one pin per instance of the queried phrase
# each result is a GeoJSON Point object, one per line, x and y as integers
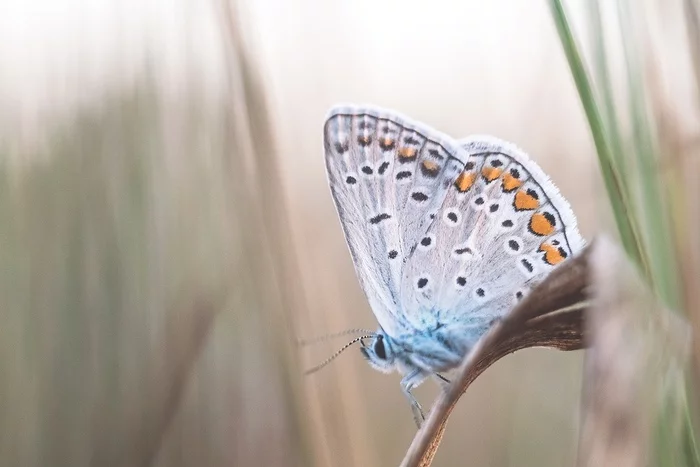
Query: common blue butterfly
{"type": "Point", "coordinates": [446, 236]}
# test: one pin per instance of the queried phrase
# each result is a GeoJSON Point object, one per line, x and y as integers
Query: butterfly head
{"type": "Point", "coordinates": [379, 352]}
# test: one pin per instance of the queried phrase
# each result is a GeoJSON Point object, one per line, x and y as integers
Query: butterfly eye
{"type": "Point", "coordinates": [379, 349]}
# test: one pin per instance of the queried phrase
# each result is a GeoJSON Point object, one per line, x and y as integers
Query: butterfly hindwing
{"type": "Point", "coordinates": [500, 230]}
{"type": "Point", "coordinates": [388, 176]}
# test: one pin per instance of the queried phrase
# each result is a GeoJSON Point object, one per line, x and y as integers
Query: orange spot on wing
{"type": "Point", "coordinates": [387, 143]}
{"type": "Point", "coordinates": [430, 168]}
{"type": "Point", "coordinates": [540, 225]}
{"type": "Point", "coordinates": [510, 183]}
{"type": "Point", "coordinates": [407, 153]}
{"type": "Point", "coordinates": [465, 181]}
{"type": "Point", "coordinates": [552, 254]}
{"type": "Point", "coordinates": [491, 173]}
{"type": "Point", "coordinates": [524, 201]}
{"type": "Point", "coordinates": [430, 165]}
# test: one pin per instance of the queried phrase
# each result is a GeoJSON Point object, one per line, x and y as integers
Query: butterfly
{"type": "Point", "coordinates": [446, 236]}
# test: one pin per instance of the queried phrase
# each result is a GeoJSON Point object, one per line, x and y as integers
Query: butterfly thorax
{"type": "Point", "coordinates": [430, 350]}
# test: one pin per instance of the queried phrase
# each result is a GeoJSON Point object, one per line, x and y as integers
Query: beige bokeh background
{"type": "Point", "coordinates": [463, 67]}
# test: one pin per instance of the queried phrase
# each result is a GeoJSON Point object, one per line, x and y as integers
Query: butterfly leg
{"type": "Point", "coordinates": [444, 382]}
{"type": "Point", "coordinates": [410, 381]}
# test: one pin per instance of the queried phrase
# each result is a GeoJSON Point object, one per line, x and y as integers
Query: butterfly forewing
{"type": "Point", "coordinates": [388, 176]}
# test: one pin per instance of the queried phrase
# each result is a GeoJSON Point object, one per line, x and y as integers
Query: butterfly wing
{"type": "Point", "coordinates": [502, 227]}
{"type": "Point", "coordinates": [388, 176]}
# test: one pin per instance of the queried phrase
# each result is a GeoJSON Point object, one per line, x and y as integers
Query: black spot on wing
{"type": "Point", "coordinates": [431, 170]}
{"type": "Point", "coordinates": [341, 148]}
{"type": "Point", "coordinates": [550, 218]}
{"type": "Point", "coordinates": [419, 196]}
{"type": "Point", "coordinates": [379, 218]}
{"type": "Point", "coordinates": [436, 154]}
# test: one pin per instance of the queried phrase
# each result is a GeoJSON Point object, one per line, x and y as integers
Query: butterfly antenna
{"type": "Point", "coordinates": [315, 340]}
{"type": "Point", "coordinates": [335, 355]}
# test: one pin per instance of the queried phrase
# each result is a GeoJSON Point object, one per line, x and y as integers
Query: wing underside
{"type": "Point", "coordinates": [388, 175]}
{"type": "Point", "coordinates": [441, 232]}
{"type": "Point", "coordinates": [502, 227]}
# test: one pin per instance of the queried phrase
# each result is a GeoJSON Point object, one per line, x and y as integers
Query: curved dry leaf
{"type": "Point", "coordinates": [551, 316]}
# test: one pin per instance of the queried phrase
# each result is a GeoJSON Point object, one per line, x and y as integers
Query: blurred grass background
{"type": "Point", "coordinates": [646, 153]}
{"type": "Point", "coordinates": [167, 233]}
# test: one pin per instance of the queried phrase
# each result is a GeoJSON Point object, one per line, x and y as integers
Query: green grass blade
{"type": "Point", "coordinates": [657, 238]}
{"type": "Point", "coordinates": [630, 166]}
{"type": "Point", "coordinates": [603, 82]}
{"type": "Point", "coordinates": [615, 189]}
